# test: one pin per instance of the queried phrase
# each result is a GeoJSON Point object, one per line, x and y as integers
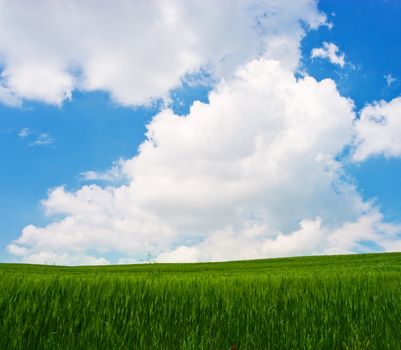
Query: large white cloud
{"type": "Point", "coordinates": [138, 50]}
{"type": "Point", "coordinates": [253, 173]}
{"type": "Point", "coordinates": [378, 130]}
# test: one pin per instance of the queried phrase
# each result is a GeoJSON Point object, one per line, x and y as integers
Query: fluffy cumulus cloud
{"type": "Point", "coordinates": [378, 130]}
{"type": "Point", "coordinates": [312, 237]}
{"type": "Point", "coordinates": [330, 52]}
{"type": "Point", "coordinates": [252, 173]}
{"type": "Point", "coordinates": [138, 50]}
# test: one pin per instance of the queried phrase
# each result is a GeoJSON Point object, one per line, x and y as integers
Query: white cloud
{"type": "Point", "coordinates": [253, 173]}
{"type": "Point", "coordinates": [139, 50]}
{"type": "Point", "coordinates": [367, 228]}
{"type": "Point", "coordinates": [38, 138]}
{"type": "Point", "coordinates": [378, 130]}
{"type": "Point", "coordinates": [329, 51]}
{"type": "Point", "coordinates": [42, 139]}
{"type": "Point", "coordinates": [38, 82]}
{"type": "Point", "coordinates": [51, 258]}
{"type": "Point", "coordinates": [390, 80]}
{"type": "Point", "coordinates": [25, 132]}
{"type": "Point", "coordinates": [310, 238]}
{"type": "Point", "coordinates": [115, 173]}
{"type": "Point", "coordinates": [17, 250]}
{"type": "Point", "coordinates": [8, 98]}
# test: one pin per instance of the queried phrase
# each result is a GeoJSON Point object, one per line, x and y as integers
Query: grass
{"type": "Point", "coordinates": [336, 302]}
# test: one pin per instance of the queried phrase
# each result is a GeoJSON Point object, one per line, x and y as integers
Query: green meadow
{"type": "Point", "coordinates": [328, 302]}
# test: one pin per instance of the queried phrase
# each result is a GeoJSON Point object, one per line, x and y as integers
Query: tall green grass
{"type": "Point", "coordinates": [341, 302]}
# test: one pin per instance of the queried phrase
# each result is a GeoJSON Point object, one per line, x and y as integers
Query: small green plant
{"type": "Point", "coordinates": [154, 269]}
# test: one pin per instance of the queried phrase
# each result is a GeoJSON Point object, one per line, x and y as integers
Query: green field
{"type": "Point", "coordinates": [336, 302]}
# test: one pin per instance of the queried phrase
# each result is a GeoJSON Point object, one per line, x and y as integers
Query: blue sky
{"type": "Point", "coordinates": [47, 140]}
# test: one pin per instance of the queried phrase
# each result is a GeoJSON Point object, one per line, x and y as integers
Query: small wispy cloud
{"type": "Point", "coordinates": [24, 133]}
{"type": "Point", "coordinates": [36, 138]}
{"type": "Point", "coordinates": [390, 80]}
{"type": "Point", "coordinates": [114, 174]}
{"type": "Point", "coordinates": [42, 140]}
{"type": "Point", "coordinates": [330, 52]}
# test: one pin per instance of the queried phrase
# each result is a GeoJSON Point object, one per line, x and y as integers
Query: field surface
{"type": "Point", "coordinates": [336, 302]}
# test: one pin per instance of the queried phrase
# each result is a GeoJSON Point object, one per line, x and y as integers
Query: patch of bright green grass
{"type": "Point", "coordinates": [330, 302]}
